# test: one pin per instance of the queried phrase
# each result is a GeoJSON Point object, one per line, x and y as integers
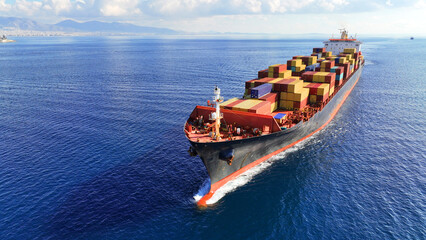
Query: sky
{"type": "Point", "coordinates": [373, 17]}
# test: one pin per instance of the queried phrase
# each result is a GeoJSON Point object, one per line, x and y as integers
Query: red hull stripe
{"type": "Point", "coordinates": [217, 185]}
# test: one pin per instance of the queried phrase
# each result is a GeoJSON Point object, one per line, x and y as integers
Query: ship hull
{"type": "Point", "coordinates": [250, 152]}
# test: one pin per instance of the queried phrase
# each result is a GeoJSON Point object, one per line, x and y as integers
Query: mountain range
{"type": "Point", "coordinates": [70, 26]}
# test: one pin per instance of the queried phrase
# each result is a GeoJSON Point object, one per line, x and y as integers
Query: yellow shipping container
{"type": "Point", "coordinates": [246, 104]}
{"type": "Point", "coordinates": [300, 68]}
{"type": "Point", "coordinates": [350, 50]}
{"type": "Point", "coordinates": [323, 89]}
{"type": "Point", "coordinates": [312, 60]}
{"type": "Point", "coordinates": [312, 98]}
{"type": "Point", "coordinates": [331, 91]}
{"type": "Point", "coordinates": [285, 74]}
{"type": "Point", "coordinates": [222, 105]}
{"type": "Point", "coordinates": [352, 61]}
{"type": "Point", "coordinates": [283, 95]}
{"type": "Point", "coordinates": [296, 62]}
{"type": "Point", "coordinates": [295, 86]}
{"type": "Point", "coordinates": [271, 68]}
{"type": "Point", "coordinates": [275, 80]}
{"type": "Point", "coordinates": [327, 54]}
{"type": "Point", "coordinates": [274, 106]}
{"type": "Point", "coordinates": [286, 104]}
{"type": "Point", "coordinates": [320, 77]}
{"type": "Point", "coordinates": [342, 60]}
{"type": "Point", "coordinates": [298, 97]}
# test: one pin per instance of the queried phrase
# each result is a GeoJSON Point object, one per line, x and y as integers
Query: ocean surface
{"type": "Point", "coordinates": [92, 144]}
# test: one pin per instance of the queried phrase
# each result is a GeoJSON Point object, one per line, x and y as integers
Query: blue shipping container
{"type": "Point", "coordinates": [336, 60]}
{"type": "Point", "coordinates": [312, 67]}
{"type": "Point", "coordinates": [261, 90]}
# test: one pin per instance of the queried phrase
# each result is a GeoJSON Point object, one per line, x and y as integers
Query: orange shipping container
{"type": "Point", "coordinates": [263, 107]}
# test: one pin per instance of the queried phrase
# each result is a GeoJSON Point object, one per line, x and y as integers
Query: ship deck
{"type": "Point", "coordinates": [203, 133]}
{"type": "Point", "coordinates": [249, 124]}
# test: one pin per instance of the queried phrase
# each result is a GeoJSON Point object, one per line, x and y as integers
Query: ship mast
{"type": "Point", "coordinates": [217, 115]}
{"type": "Point", "coordinates": [344, 33]}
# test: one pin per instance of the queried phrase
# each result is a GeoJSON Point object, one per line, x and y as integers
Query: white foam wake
{"type": "Point", "coordinates": [246, 176]}
{"type": "Point", "coordinates": [205, 188]}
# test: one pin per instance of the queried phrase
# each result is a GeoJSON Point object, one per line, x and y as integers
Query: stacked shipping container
{"type": "Point", "coordinates": [279, 87]}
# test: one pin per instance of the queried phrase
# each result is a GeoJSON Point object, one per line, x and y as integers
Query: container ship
{"type": "Point", "coordinates": [287, 103]}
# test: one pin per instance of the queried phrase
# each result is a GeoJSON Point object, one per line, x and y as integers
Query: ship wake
{"type": "Point", "coordinates": [245, 177]}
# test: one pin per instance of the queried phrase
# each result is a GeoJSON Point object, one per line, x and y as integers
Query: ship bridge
{"type": "Point", "coordinates": [337, 45]}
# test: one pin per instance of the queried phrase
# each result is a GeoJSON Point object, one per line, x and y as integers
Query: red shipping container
{"type": "Point", "coordinates": [259, 82]}
{"type": "Point", "coordinates": [261, 108]}
{"type": "Point", "coordinates": [301, 104]}
{"type": "Point", "coordinates": [313, 87]}
{"type": "Point", "coordinates": [319, 50]}
{"type": "Point", "coordinates": [308, 76]}
{"type": "Point", "coordinates": [297, 74]}
{"type": "Point", "coordinates": [281, 86]}
{"type": "Point", "coordinates": [270, 97]}
{"type": "Point", "coordinates": [330, 79]}
{"type": "Point", "coordinates": [329, 64]}
{"type": "Point", "coordinates": [322, 98]}
{"type": "Point", "coordinates": [339, 70]}
{"type": "Point", "coordinates": [280, 68]}
{"type": "Point", "coordinates": [262, 73]}
{"type": "Point", "coordinates": [347, 69]}
{"type": "Point", "coordinates": [248, 83]}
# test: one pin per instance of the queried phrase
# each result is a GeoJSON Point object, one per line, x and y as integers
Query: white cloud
{"type": "Point", "coordinates": [330, 5]}
{"type": "Point", "coordinates": [421, 4]}
{"type": "Point", "coordinates": [224, 15]}
{"type": "Point", "coordinates": [117, 8]}
{"type": "Point", "coordinates": [58, 5]}
{"type": "Point", "coordinates": [26, 7]}
{"type": "Point", "coordinates": [4, 6]}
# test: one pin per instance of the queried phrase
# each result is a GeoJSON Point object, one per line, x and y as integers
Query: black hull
{"type": "Point", "coordinates": [249, 150]}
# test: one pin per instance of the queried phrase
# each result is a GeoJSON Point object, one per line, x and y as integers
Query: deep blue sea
{"type": "Point", "coordinates": [92, 144]}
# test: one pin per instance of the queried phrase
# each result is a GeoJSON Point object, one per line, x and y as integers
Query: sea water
{"type": "Point", "coordinates": [92, 144]}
